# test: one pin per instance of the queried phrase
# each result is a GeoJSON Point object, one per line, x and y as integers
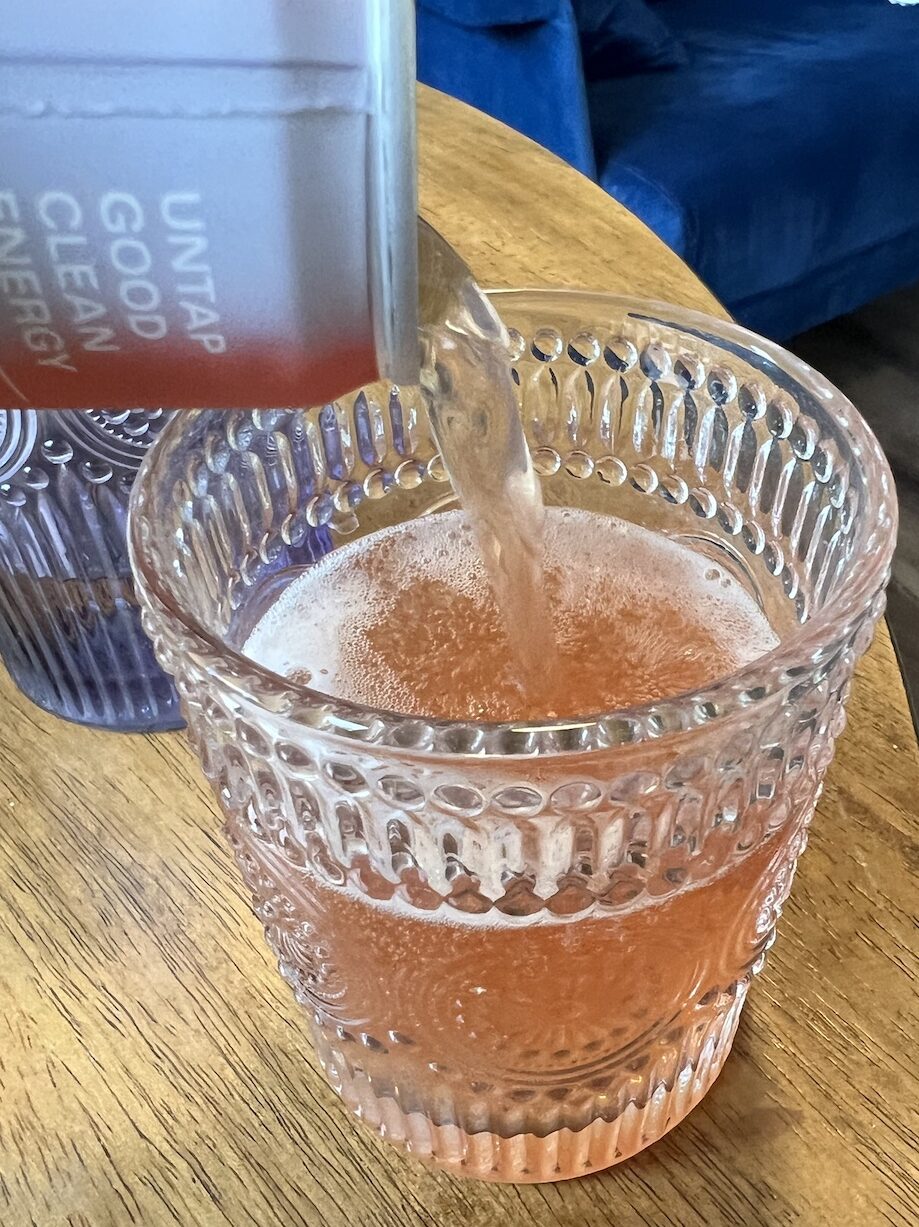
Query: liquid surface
{"type": "Point", "coordinates": [406, 619]}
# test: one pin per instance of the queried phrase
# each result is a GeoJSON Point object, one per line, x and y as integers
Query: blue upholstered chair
{"type": "Point", "coordinates": [773, 143]}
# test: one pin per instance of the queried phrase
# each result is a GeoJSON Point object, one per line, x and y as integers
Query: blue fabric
{"type": "Point", "coordinates": [488, 13]}
{"type": "Point", "coordinates": [527, 75]}
{"type": "Point", "coordinates": [623, 36]}
{"type": "Point", "coordinates": [781, 161]}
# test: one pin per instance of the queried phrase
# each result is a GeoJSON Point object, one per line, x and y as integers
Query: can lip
{"type": "Point", "coordinates": [393, 189]}
{"type": "Point", "coordinates": [801, 659]}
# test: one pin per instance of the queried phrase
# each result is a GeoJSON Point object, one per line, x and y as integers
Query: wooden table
{"type": "Point", "coordinates": [153, 1066]}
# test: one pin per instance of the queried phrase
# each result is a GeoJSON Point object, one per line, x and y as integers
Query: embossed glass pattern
{"type": "Point", "coordinates": [523, 949]}
{"type": "Point", "coordinates": [70, 632]}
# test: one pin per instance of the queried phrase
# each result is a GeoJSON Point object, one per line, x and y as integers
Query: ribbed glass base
{"type": "Point", "coordinates": [527, 1158]}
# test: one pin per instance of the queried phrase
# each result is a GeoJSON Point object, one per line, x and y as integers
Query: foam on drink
{"type": "Point", "coordinates": [406, 619]}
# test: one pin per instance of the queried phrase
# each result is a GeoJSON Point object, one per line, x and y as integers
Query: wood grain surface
{"type": "Point", "coordinates": [154, 1068]}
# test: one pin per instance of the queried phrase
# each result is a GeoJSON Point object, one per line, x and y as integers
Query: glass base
{"type": "Point", "coordinates": [165, 718]}
{"type": "Point", "coordinates": [527, 1158]}
{"type": "Point", "coordinates": [77, 649]}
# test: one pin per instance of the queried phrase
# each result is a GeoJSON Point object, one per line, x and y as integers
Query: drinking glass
{"type": "Point", "coordinates": [70, 632]}
{"type": "Point", "coordinates": [523, 949]}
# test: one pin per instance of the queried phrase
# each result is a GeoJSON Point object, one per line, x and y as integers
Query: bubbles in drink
{"type": "Point", "coordinates": [406, 619]}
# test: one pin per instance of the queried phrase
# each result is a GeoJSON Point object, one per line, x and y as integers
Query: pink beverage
{"type": "Point", "coordinates": [207, 204]}
{"type": "Point", "coordinates": [477, 1029]}
{"type": "Point", "coordinates": [406, 619]}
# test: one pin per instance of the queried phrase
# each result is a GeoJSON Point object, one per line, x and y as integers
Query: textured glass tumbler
{"type": "Point", "coordinates": [523, 949]}
{"type": "Point", "coordinates": [70, 632]}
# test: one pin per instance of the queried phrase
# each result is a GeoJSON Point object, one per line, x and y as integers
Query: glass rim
{"type": "Point", "coordinates": [814, 641]}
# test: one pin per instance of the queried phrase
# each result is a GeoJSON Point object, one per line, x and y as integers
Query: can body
{"type": "Point", "coordinates": [192, 216]}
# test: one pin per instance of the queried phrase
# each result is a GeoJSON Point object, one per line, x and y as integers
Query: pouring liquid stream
{"type": "Point", "coordinates": [472, 407]}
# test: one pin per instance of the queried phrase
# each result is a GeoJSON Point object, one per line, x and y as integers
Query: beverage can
{"type": "Point", "coordinates": [205, 205]}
